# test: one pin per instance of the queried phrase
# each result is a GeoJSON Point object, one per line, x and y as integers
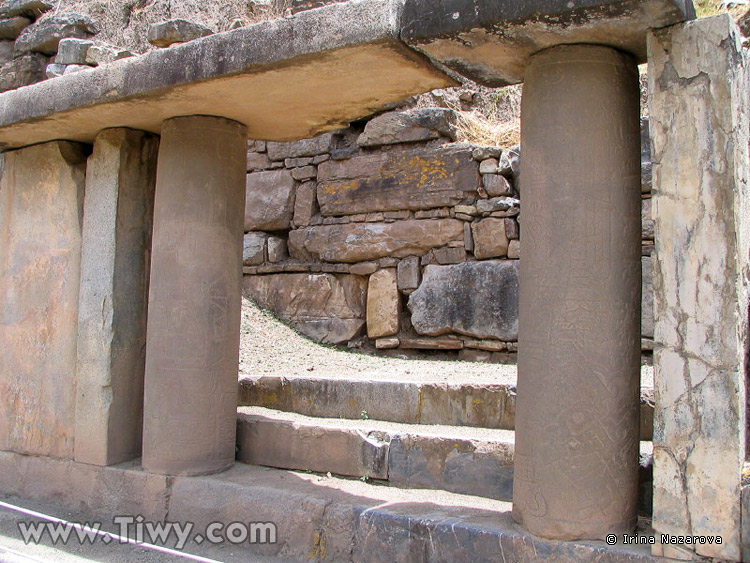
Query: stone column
{"type": "Point", "coordinates": [41, 206]}
{"type": "Point", "coordinates": [116, 248]}
{"type": "Point", "coordinates": [698, 89]}
{"type": "Point", "coordinates": [576, 456]}
{"type": "Point", "coordinates": [192, 350]}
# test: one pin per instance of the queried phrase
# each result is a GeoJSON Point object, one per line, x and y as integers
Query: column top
{"type": "Point", "coordinates": [320, 69]}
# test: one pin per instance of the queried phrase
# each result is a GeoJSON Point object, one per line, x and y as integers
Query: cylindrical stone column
{"type": "Point", "coordinates": [192, 342]}
{"type": "Point", "coordinates": [576, 452]}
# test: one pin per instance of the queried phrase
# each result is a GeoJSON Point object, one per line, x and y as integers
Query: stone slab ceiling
{"type": "Point", "coordinates": [320, 69]}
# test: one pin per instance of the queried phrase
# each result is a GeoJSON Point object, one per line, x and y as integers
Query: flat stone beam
{"type": "Point", "coordinates": [285, 79]}
{"type": "Point", "coordinates": [117, 215]}
{"type": "Point", "coordinates": [698, 86]}
{"type": "Point", "coordinates": [192, 343]}
{"type": "Point", "coordinates": [41, 204]}
{"type": "Point", "coordinates": [490, 41]}
{"type": "Point", "coordinates": [576, 458]}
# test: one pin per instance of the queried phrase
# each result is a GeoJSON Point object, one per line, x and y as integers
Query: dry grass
{"type": "Point", "coordinates": [497, 122]}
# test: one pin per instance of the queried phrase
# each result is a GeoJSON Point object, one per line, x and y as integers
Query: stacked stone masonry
{"type": "Point", "coordinates": [397, 233]}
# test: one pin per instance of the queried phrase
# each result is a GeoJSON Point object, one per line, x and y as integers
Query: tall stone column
{"type": "Point", "coordinates": [116, 246]}
{"type": "Point", "coordinates": [192, 344]}
{"type": "Point", "coordinates": [576, 456]}
{"type": "Point", "coordinates": [698, 97]}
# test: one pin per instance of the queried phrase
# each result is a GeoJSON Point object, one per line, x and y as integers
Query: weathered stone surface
{"type": "Point", "coordinates": [305, 204]}
{"type": "Point", "coordinates": [269, 200]}
{"type": "Point", "coordinates": [483, 153]}
{"type": "Point", "coordinates": [491, 41]}
{"type": "Point", "coordinates": [387, 343]}
{"type": "Point", "coordinates": [72, 51]}
{"type": "Point", "coordinates": [514, 250]}
{"type": "Point", "coordinates": [383, 304]}
{"type": "Point", "coordinates": [303, 147]}
{"type": "Point", "coordinates": [101, 53]}
{"type": "Point", "coordinates": [409, 273]}
{"type": "Point", "coordinates": [512, 229]}
{"type": "Point", "coordinates": [488, 166]}
{"type": "Point", "coordinates": [192, 341]}
{"type": "Point", "coordinates": [257, 161]}
{"type": "Point", "coordinates": [12, 27]}
{"type": "Point", "coordinates": [164, 34]}
{"type": "Point", "coordinates": [579, 333]}
{"type": "Point", "coordinates": [496, 185]}
{"type": "Point", "coordinates": [449, 300]}
{"type": "Point", "coordinates": [41, 193]}
{"type": "Point", "coordinates": [646, 164]}
{"type": "Point", "coordinates": [490, 240]}
{"type": "Point", "coordinates": [6, 52]}
{"type": "Point", "coordinates": [22, 71]}
{"type": "Point", "coordinates": [44, 36]}
{"type": "Point", "coordinates": [356, 242]}
{"type": "Point", "coordinates": [27, 8]}
{"type": "Point", "coordinates": [647, 298]}
{"type": "Point", "coordinates": [647, 221]}
{"type": "Point", "coordinates": [698, 83]}
{"type": "Point", "coordinates": [54, 70]}
{"type": "Point", "coordinates": [254, 248]}
{"type": "Point", "coordinates": [116, 249]}
{"type": "Point", "coordinates": [311, 446]}
{"type": "Point", "coordinates": [305, 173]}
{"type": "Point", "coordinates": [325, 307]}
{"type": "Point", "coordinates": [497, 204]}
{"type": "Point", "coordinates": [363, 268]}
{"type": "Point", "coordinates": [397, 180]}
{"type": "Point", "coordinates": [419, 124]}
{"type": "Point", "coordinates": [431, 344]}
{"type": "Point", "coordinates": [277, 249]}
{"type": "Point", "coordinates": [345, 61]}
{"type": "Point", "coordinates": [70, 69]}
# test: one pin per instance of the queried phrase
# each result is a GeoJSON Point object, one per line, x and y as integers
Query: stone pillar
{"type": "Point", "coordinates": [576, 456]}
{"type": "Point", "coordinates": [192, 351]}
{"type": "Point", "coordinates": [41, 206]}
{"type": "Point", "coordinates": [117, 215]}
{"type": "Point", "coordinates": [701, 208]}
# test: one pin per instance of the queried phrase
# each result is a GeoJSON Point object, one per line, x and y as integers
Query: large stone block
{"type": "Point", "coordinates": [41, 206]}
{"type": "Point", "coordinates": [396, 180]}
{"type": "Point", "coordinates": [418, 124]}
{"type": "Point", "coordinates": [356, 242]}
{"type": "Point", "coordinates": [44, 36]}
{"type": "Point", "coordinates": [117, 220]}
{"type": "Point", "coordinates": [269, 200]}
{"type": "Point", "coordinates": [325, 307]}
{"type": "Point", "coordinates": [490, 238]}
{"type": "Point", "coordinates": [22, 71]}
{"type": "Point", "coordinates": [383, 304]}
{"type": "Point", "coordinates": [164, 34]}
{"type": "Point", "coordinates": [698, 83]}
{"type": "Point", "coordinates": [477, 299]}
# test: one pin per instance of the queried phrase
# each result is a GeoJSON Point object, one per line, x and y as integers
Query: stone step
{"type": "Point", "coordinates": [418, 399]}
{"type": "Point", "coordinates": [465, 460]}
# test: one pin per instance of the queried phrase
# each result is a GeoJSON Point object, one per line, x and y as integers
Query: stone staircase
{"type": "Point", "coordinates": [419, 432]}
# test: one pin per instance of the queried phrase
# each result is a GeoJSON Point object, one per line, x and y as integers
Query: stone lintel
{"type": "Point", "coordinates": [490, 41]}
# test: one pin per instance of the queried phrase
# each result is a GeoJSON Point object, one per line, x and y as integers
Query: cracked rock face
{"type": "Point", "coordinates": [698, 85]}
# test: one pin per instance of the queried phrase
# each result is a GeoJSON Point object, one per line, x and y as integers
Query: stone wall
{"type": "Point", "coordinates": [395, 232]}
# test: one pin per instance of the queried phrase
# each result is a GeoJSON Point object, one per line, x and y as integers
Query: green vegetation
{"type": "Point", "coordinates": [706, 8]}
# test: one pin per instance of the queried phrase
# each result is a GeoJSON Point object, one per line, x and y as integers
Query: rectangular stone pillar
{"type": "Point", "coordinates": [118, 213]}
{"type": "Point", "coordinates": [193, 337]}
{"type": "Point", "coordinates": [41, 205]}
{"type": "Point", "coordinates": [699, 137]}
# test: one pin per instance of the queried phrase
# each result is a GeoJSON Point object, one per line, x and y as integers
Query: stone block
{"type": "Point", "coordinates": [490, 239]}
{"type": "Point", "coordinates": [647, 297]}
{"type": "Point", "coordinates": [41, 192]}
{"type": "Point", "coordinates": [100, 53]}
{"type": "Point", "coordinates": [386, 343]}
{"type": "Point", "coordinates": [512, 230]}
{"type": "Point", "coordinates": [257, 161]}
{"type": "Point", "coordinates": [646, 165]}
{"type": "Point", "coordinates": [304, 147]}
{"type": "Point", "coordinates": [448, 300]}
{"type": "Point", "coordinates": [305, 204]}
{"type": "Point", "coordinates": [6, 52]}
{"type": "Point", "coordinates": [277, 249]}
{"type": "Point", "coordinates": [44, 36]}
{"type": "Point", "coordinates": [497, 204]}
{"type": "Point", "coordinates": [514, 250]}
{"type": "Point", "coordinates": [647, 221]}
{"type": "Point", "coordinates": [496, 185]}
{"type": "Point", "coordinates": [269, 200]}
{"type": "Point", "coordinates": [483, 153]}
{"type": "Point", "coordinates": [72, 51]}
{"type": "Point", "coordinates": [698, 84]}
{"type": "Point", "coordinates": [54, 70]}
{"type": "Point", "coordinates": [488, 166]}
{"type": "Point", "coordinates": [383, 304]}
{"type": "Point", "coordinates": [409, 273]}
{"type": "Point", "coordinates": [116, 248]}
{"type": "Point", "coordinates": [397, 180]}
{"type": "Point", "coordinates": [418, 124]}
{"type": "Point", "coordinates": [298, 162]}
{"type": "Point", "coordinates": [325, 307]}
{"type": "Point", "coordinates": [11, 28]}
{"type": "Point", "coordinates": [71, 69]}
{"type": "Point", "coordinates": [305, 173]}
{"type": "Point", "coordinates": [22, 71]}
{"type": "Point", "coordinates": [27, 8]}
{"type": "Point", "coordinates": [431, 344]}
{"type": "Point", "coordinates": [164, 34]}
{"type": "Point", "coordinates": [357, 242]}
{"type": "Point", "coordinates": [468, 238]}
{"type": "Point", "coordinates": [254, 248]}
{"type": "Point", "coordinates": [363, 268]}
